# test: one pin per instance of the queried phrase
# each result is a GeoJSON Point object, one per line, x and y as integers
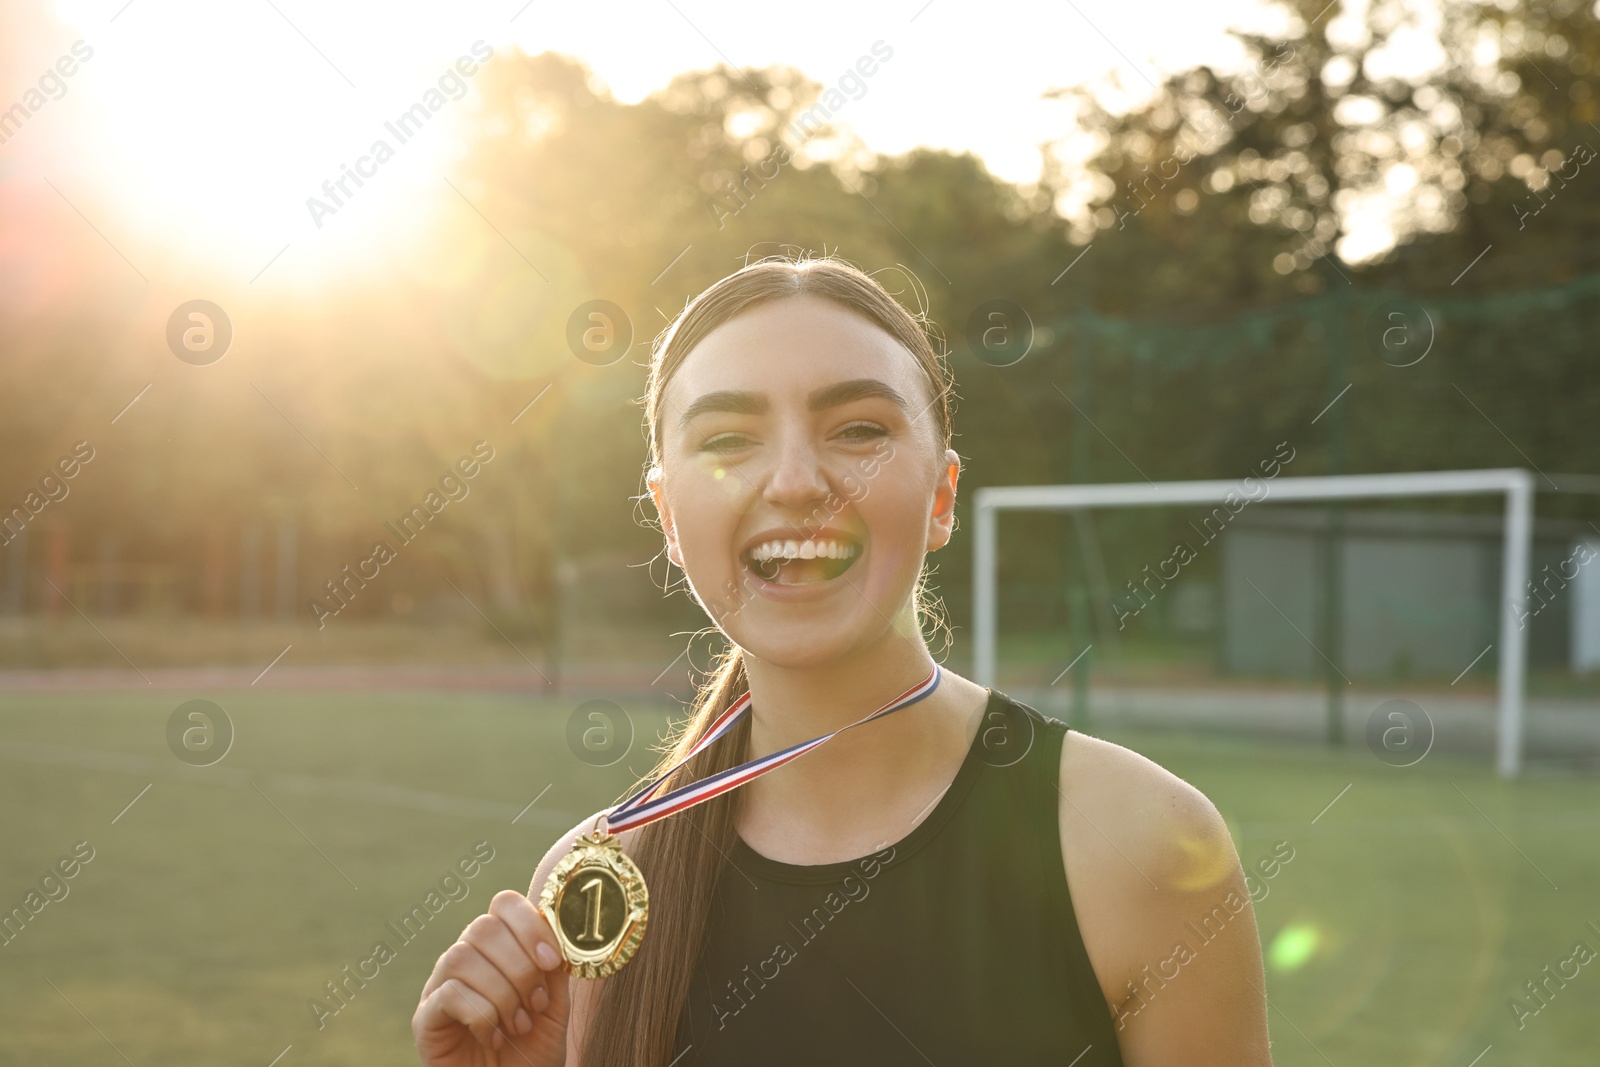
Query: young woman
{"type": "Point", "coordinates": [961, 881]}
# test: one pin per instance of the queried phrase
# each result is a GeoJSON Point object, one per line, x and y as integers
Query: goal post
{"type": "Point", "coordinates": [1516, 485]}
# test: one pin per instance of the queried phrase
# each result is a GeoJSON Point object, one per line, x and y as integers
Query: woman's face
{"type": "Point", "coordinates": [802, 480]}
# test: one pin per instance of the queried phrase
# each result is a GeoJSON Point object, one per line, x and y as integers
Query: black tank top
{"type": "Point", "coordinates": [955, 945]}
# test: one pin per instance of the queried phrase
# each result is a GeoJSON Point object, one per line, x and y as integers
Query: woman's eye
{"type": "Point", "coordinates": [724, 443]}
{"type": "Point", "coordinates": [862, 431]}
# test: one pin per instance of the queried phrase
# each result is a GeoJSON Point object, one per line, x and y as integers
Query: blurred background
{"type": "Point", "coordinates": [322, 558]}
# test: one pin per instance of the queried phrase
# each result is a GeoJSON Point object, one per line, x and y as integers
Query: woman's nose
{"type": "Point", "coordinates": [797, 476]}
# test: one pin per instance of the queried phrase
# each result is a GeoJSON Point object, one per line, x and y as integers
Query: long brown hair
{"type": "Point", "coordinates": [635, 1021]}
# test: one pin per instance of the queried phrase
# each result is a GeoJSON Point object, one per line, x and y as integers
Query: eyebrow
{"type": "Point", "coordinates": [855, 389]}
{"type": "Point", "coordinates": [829, 396]}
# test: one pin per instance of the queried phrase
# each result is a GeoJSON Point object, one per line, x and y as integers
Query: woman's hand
{"type": "Point", "coordinates": [498, 996]}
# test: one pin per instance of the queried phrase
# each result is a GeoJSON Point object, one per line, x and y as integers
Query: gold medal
{"type": "Point", "coordinates": [596, 903]}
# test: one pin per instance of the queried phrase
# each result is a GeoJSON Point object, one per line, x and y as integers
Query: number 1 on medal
{"type": "Point", "coordinates": [593, 931]}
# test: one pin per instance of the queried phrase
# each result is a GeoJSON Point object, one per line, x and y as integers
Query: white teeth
{"type": "Point", "coordinates": [811, 549]}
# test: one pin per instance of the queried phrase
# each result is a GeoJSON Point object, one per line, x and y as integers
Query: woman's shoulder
{"type": "Point", "coordinates": [1164, 825]}
{"type": "Point", "coordinates": [1145, 853]}
{"type": "Point", "coordinates": [1161, 824]}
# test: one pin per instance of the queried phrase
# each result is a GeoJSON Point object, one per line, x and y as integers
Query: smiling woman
{"type": "Point", "coordinates": [1020, 897]}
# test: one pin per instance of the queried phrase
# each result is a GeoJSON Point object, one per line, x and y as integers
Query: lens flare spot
{"type": "Point", "coordinates": [1200, 862]}
{"type": "Point", "coordinates": [1293, 947]}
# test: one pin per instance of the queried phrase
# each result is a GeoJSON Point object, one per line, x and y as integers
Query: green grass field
{"type": "Point", "coordinates": [222, 900]}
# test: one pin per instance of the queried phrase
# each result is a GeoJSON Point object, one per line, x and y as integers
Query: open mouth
{"type": "Point", "coordinates": [801, 562]}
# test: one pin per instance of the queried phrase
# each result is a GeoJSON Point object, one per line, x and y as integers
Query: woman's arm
{"type": "Point", "coordinates": [1164, 911]}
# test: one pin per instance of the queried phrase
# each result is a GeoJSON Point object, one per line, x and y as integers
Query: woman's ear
{"type": "Point", "coordinates": [942, 523]}
{"type": "Point", "coordinates": [669, 529]}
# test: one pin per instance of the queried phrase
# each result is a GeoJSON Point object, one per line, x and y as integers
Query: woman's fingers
{"type": "Point", "coordinates": [451, 1005]}
{"type": "Point", "coordinates": [503, 980]}
{"type": "Point", "coordinates": [531, 931]}
{"type": "Point", "coordinates": [525, 922]}
{"type": "Point", "coordinates": [558, 990]}
{"type": "Point", "coordinates": [499, 946]}
{"type": "Point", "coordinates": [538, 944]}
{"type": "Point", "coordinates": [467, 964]}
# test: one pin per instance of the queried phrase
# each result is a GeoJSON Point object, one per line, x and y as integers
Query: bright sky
{"type": "Point", "coordinates": [195, 134]}
{"type": "Point", "coordinates": [964, 76]}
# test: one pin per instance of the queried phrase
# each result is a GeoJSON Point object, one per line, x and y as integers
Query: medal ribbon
{"type": "Point", "coordinates": [645, 807]}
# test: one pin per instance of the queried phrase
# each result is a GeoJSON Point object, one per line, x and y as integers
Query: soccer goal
{"type": "Point", "coordinates": [1517, 486]}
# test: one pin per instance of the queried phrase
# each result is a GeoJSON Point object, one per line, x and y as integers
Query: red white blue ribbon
{"type": "Point", "coordinates": [645, 807]}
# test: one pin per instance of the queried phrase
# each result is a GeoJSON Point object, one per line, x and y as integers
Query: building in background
{"type": "Point", "coordinates": [1421, 593]}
